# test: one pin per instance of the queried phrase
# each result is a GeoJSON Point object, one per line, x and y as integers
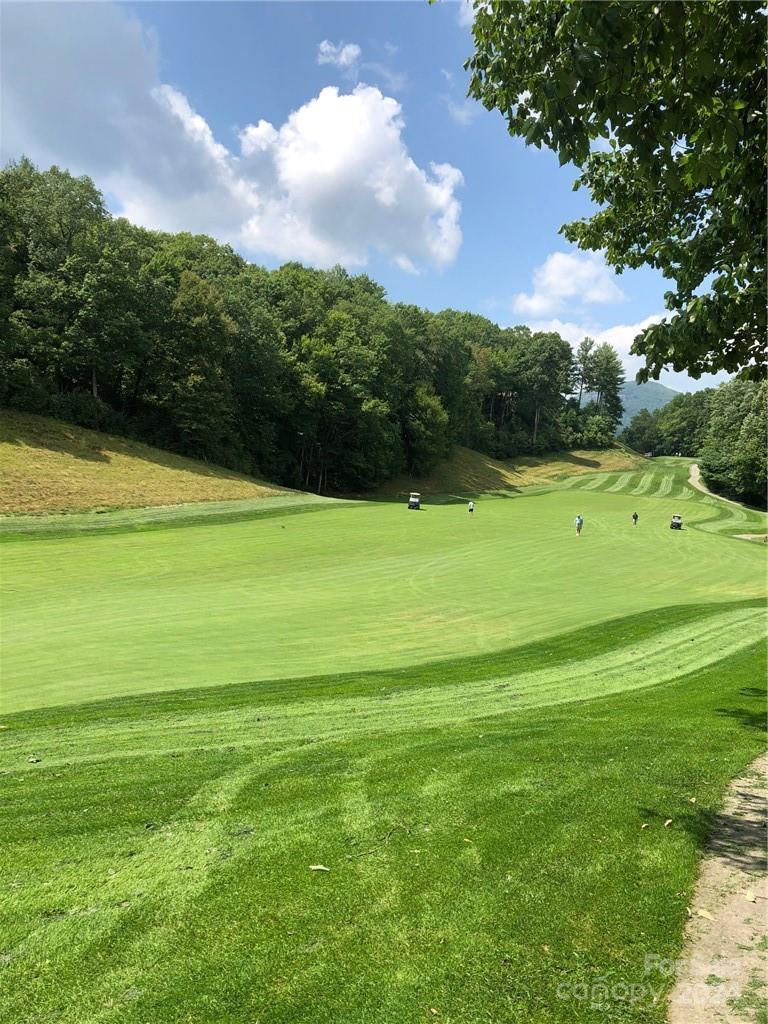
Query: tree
{"type": "Point", "coordinates": [683, 423]}
{"type": "Point", "coordinates": [607, 381]}
{"type": "Point", "coordinates": [662, 107]}
{"type": "Point", "coordinates": [544, 365]}
{"type": "Point", "coordinates": [734, 456]}
{"type": "Point", "coordinates": [679, 428]}
{"type": "Point", "coordinates": [310, 377]}
{"type": "Point", "coordinates": [597, 431]}
{"type": "Point", "coordinates": [643, 433]}
{"type": "Point", "coordinates": [582, 364]}
{"type": "Point", "coordinates": [189, 377]}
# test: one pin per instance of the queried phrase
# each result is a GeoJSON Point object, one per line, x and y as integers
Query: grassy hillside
{"type": "Point", "coordinates": [50, 466]}
{"type": "Point", "coordinates": [469, 474]}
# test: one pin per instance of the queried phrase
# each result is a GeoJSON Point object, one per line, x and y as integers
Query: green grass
{"type": "Point", "coordinates": [485, 854]}
{"type": "Point", "coordinates": [355, 587]}
{"type": "Point", "coordinates": [467, 721]}
{"type": "Point", "coordinates": [468, 473]}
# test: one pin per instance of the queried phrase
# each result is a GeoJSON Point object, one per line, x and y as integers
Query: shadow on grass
{"type": "Point", "coordinates": [749, 719]}
{"type": "Point", "coordinates": [737, 836]}
{"type": "Point", "coordinates": [87, 444]}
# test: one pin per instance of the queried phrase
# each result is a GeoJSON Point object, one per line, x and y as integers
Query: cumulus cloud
{"type": "Point", "coordinates": [347, 58]}
{"type": "Point", "coordinates": [331, 184]}
{"type": "Point", "coordinates": [621, 337]}
{"type": "Point", "coordinates": [568, 279]}
{"type": "Point", "coordinates": [337, 163]}
{"type": "Point", "coordinates": [342, 55]}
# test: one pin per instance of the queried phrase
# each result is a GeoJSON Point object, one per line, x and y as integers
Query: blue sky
{"type": "Point", "coordinates": [326, 132]}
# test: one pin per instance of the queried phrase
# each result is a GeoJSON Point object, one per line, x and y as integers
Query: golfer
{"type": "Point", "coordinates": [471, 508]}
{"type": "Point", "coordinates": [635, 517]}
{"type": "Point", "coordinates": [579, 522]}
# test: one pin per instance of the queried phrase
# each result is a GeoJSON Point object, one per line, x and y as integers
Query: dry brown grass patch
{"type": "Point", "coordinates": [50, 466]}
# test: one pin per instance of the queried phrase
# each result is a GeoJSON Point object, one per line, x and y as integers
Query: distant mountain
{"type": "Point", "coordinates": [635, 397]}
{"type": "Point", "coordinates": [648, 396]}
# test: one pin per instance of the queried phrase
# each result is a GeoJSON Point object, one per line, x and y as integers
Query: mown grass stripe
{"type": "Point", "coordinates": [666, 485]}
{"type": "Point", "coordinates": [646, 481]}
{"type": "Point", "coordinates": [621, 484]}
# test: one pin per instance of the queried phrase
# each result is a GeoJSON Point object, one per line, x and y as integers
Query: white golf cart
{"type": "Point", "coordinates": [414, 501]}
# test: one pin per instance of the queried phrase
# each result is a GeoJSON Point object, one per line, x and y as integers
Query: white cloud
{"type": "Point", "coordinates": [395, 81]}
{"type": "Point", "coordinates": [347, 57]}
{"type": "Point", "coordinates": [466, 13]}
{"type": "Point", "coordinates": [340, 180]}
{"type": "Point", "coordinates": [331, 184]}
{"type": "Point", "coordinates": [621, 337]}
{"type": "Point", "coordinates": [341, 55]}
{"type": "Point", "coordinates": [462, 113]}
{"type": "Point", "coordinates": [566, 279]}
{"type": "Point", "coordinates": [257, 138]}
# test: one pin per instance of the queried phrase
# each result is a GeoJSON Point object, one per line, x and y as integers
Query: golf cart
{"type": "Point", "coordinates": [677, 523]}
{"type": "Point", "coordinates": [415, 500]}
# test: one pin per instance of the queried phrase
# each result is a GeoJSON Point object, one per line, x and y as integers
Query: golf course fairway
{"type": "Point", "coordinates": [342, 763]}
{"type": "Point", "coordinates": [353, 587]}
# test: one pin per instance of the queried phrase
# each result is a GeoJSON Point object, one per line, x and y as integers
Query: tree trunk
{"type": "Point", "coordinates": [536, 423]}
{"type": "Point", "coordinates": [94, 383]}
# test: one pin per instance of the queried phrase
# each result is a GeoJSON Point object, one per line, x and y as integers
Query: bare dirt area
{"type": "Point", "coordinates": [694, 479]}
{"type": "Point", "coordinates": [722, 977]}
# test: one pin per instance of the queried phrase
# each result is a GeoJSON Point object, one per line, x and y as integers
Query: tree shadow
{"type": "Point", "coordinates": [737, 835]}
{"type": "Point", "coordinates": [749, 719]}
{"type": "Point", "coordinates": [63, 438]}
{"type": "Point", "coordinates": [89, 445]}
{"type": "Point", "coordinates": [577, 460]}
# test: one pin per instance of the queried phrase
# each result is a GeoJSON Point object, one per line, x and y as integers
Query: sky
{"type": "Point", "coordinates": [325, 132]}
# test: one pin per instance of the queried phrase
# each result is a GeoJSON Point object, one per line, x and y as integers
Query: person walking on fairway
{"type": "Point", "coordinates": [471, 508]}
{"type": "Point", "coordinates": [579, 522]}
{"type": "Point", "coordinates": [635, 517]}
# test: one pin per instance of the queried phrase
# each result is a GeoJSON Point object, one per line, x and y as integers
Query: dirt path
{"type": "Point", "coordinates": [694, 479]}
{"type": "Point", "coordinates": [723, 975]}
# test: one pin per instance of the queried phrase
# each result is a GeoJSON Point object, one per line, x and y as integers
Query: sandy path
{"type": "Point", "coordinates": [694, 479]}
{"type": "Point", "coordinates": [722, 977]}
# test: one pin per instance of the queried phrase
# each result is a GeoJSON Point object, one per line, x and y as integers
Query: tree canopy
{"type": "Point", "coordinates": [311, 378]}
{"type": "Point", "coordinates": [662, 107]}
{"type": "Point", "coordinates": [725, 428]}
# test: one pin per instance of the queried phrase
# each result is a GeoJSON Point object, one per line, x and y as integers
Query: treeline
{"type": "Point", "coordinates": [724, 428]}
{"type": "Point", "coordinates": [311, 378]}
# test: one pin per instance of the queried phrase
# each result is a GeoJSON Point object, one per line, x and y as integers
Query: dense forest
{"type": "Point", "coordinates": [310, 378]}
{"type": "Point", "coordinates": [725, 428]}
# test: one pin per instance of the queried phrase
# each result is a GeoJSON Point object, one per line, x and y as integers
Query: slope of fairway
{"type": "Point", "coordinates": [354, 587]}
{"type": "Point", "coordinates": [482, 840]}
{"type": "Point", "coordinates": [470, 474]}
{"type": "Point", "coordinates": [457, 774]}
{"type": "Point", "coordinates": [50, 466]}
